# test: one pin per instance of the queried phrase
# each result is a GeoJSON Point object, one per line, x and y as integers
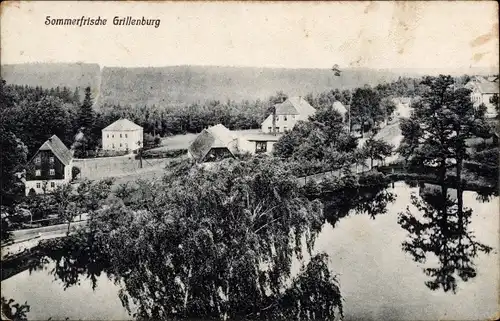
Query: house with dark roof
{"type": "Point", "coordinates": [51, 166]}
{"type": "Point", "coordinates": [122, 135]}
{"type": "Point", "coordinates": [216, 143]}
{"type": "Point", "coordinates": [287, 114]}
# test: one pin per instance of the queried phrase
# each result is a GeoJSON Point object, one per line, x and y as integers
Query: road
{"type": "Point", "coordinates": [29, 238]}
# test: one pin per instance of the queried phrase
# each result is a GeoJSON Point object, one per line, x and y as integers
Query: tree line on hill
{"type": "Point", "coordinates": [33, 113]}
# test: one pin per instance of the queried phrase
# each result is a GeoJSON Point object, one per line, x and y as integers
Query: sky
{"type": "Point", "coordinates": [379, 35]}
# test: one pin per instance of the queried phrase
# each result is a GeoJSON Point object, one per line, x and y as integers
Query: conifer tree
{"type": "Point", "coordinates": [86, 115]}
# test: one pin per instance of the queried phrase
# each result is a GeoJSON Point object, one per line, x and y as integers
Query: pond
{"type": "Point", "coordinates": [378, 280]}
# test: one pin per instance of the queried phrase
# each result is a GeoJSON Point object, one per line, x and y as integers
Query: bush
{"type": "Point", "coordinates": [373, 178]}
{"type": "Point", "coordinates": [75, 171]}
{"type": "Point", "coordinates": [110, 153]}
{"type": "Point", "coordinates": [173, 153]}
{"type": "Point", "coordinates": [151, 141]}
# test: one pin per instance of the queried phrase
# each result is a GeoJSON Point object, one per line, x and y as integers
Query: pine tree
{"type": "Point", "coordinates": [86, 115]}
{"type": "Point", "coordinates": [76, 96]}
{"type": "Point", "coordinates": [435, 135]}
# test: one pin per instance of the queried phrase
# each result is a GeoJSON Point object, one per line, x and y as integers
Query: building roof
{"type": "Point", "coordinates": [338, 106]}
{"type": "Point", "coordinates": [122, 125]}
{"type": "Point", "coordinates": [487, 87]}
{"type": "Point", "coordinates": [57, 147]}
{"type": "Point", "coordinates": [295, 106]}
{"type": "Point", "coordinates": [217, 136]}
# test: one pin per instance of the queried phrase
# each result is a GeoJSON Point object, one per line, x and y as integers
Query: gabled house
{"type": "Point", "coordinates": [51, 166]}
{"type": "Point", "coordinates": [287, 115]}
{"type": "Point", "coordinates": [216, 143]}
{"type": "Point", "coordinates": [122, 135]}
{"type": "Point", "coordinates": [482, 93]}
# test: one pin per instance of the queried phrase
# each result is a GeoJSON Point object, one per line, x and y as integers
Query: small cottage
{"type": "Point", "coordinates": [216, 143]}
{"type": "Point", "coordinates": [51, 166]}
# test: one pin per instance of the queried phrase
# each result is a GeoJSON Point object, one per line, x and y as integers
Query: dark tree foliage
{"type": "Point", "coordinates": [209, 244]}
{"type": "Point", "coordinates": [403, 87]}
{"type": "Point", "coordinates": [327, 98]}
{"type": "Point", "coordinates": [14, 311]}
{"type": "Point", "coordinates": [13, 157]}
{"type": "Point", "coordinates": [376, 149]}
{"type": "Point", "coordinates": [435, 136]}
{"type": "Point", "coordinates": [86, 113]}
{"type": "Point", "coordinates": [436, 132]}
{"type": "Point", "coordinates": [366, 109]}
{"type": "Point", "coordinates": [494, 101]}
{"type": "Point", "coordinates": [35, 121]}
{"type": "Point", "coordinates": [366, 194]}
{"type": "Point", "coordinates": [443, 232]}
{"type": "Point", "coordinates": [322, 142]}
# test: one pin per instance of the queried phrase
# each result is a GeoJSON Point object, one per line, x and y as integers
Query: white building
{"type": "Point", "coordinates": [483, 91]}
{"type": "Point", "coordinates": [261, 143]}
{"type": "Point", "coordinates": [50, 167]}
{"type": "Point", "coordinates": [288, 114]}
{"type": "Point", "coordinates": [122, 135]}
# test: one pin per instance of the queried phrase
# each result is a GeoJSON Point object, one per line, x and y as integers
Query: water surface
{"type": "Point", "coordinates": [378, 280]}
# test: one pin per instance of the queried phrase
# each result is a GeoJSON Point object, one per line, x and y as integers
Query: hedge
{"type": "Point", "coordinates": [173, 153]}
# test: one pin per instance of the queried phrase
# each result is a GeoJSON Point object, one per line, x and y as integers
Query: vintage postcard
{"type": "Point", "coordinates": [239, 160]}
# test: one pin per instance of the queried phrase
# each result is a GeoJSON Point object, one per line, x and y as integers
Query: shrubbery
{"type": "Point", "coordinates": [173, 153]}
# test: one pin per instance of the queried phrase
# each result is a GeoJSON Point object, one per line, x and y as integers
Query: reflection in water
{"type": "Point", "coordinates": [77, 256]}
{"type": "Point", "coordinates": [439, 229]}
{"type": "Point", "coordinates": [370, 199]}
{"type": "Point", "coordinates": [436, 230]}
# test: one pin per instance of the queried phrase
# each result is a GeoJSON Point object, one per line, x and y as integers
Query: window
{"type": "Point", "coordinates": [270, 129]}
{"type": "Point", "coordinates": [112, 136]}
{"type": "Point", "coordinates": [52, 172]}
{"type": "Point", "coordinates": [52, 184]}
{"type": "Point", "coordinates": [113, 146]}
{"type": "Point", "coordinates": [107, 136]}
{"type": "Point", "coordinates": [120, 135]}
{"type": "Point", "coordinates": [38, 185]}
{"type": "Point", "coordinates": [51, 160]}
{"type": "Point", "coordinates": [284, 118]}
{"type": "Point", "coordinates": [126, 136]}
{"type": "Point", "coordinates": [277, 129]}
{"type": "Point", "coordinates": [260, 147]}
{"type": "Point", "coordinates": [120, 144]}
{"type": "Point", "coordinates": [284, 129]}
{"type": "Point", "coordinates": [38, 159]}
{"type": "Point", "coordinates": [38, 172]}
{"type": "Point", "coordinates": [293, 116]}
